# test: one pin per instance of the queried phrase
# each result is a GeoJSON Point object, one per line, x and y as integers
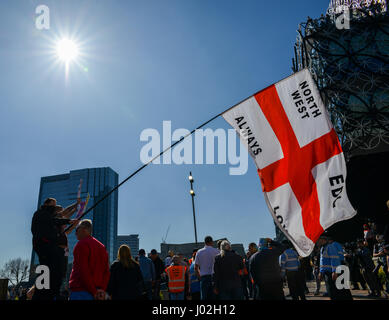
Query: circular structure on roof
{"type": "Point", "coordinates": [351, 68]}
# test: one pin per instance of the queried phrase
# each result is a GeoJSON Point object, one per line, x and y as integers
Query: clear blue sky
{"type": "Point", "coordinates": [147, 61]}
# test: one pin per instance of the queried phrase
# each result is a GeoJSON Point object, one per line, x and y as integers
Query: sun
{"type": "Point", "coordinates": [67, 50]}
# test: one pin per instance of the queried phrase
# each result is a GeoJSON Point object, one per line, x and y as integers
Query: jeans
{"type": "Point", "coordinates": [333, 292]}
{"type": "Point", "coordinates": [80, 295]}
{"type": "Point", "coordinates": [51, 256]}
{"type": "Point", "coordinates": [176, 296]}
{"type": "Point", "coordinates": [231, 294]}
{"type": "Point", "coordinates": [271, 291]}
{"type": "Point", "coordinates": [157, 290]}
{"type": "Point", "coordinates": [296, 284]}
{"type": "Point", "coordinates": [318, 281]}
{"type": "Point", "coordinates": [206, 287]}
{"type": "Point", "coordinates": [244, 280]}
{"type": "Point", "coordinates": [372, 281]}
{"type": "Point", "coordinates": [148, 288]}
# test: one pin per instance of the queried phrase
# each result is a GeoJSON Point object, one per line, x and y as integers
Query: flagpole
{"type": "Point", "coordinates": [156, 157]}
{"type": "Point", "coordinates": [146, 164]}
{"type": "Point", "coordinates": [171, 147]}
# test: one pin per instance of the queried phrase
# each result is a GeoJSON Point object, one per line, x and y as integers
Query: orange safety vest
{"type": "Point", "coordinates": [176, 275]}
{"type": "Point", "coordinates": [244, 270]}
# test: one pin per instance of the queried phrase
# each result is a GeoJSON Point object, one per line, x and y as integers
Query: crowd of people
{"type": "Point", "coordinates": [214, 272]}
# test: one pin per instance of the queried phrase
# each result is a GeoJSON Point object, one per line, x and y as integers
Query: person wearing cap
{"type": "Point", "coordinates": [159, 270]}
{"type": "Point", "coordinates": [204, 261]}
{"type": "Point", "coordinates": [184, 262]}
{"type": "Point", "coordinates": [176, 275]}
{"type": "Point", "coordinates": [290, 268]}
{"type": "Point", "coordinates": [329, 261]}
{"type": "Point", "coordinates": [265, 270]}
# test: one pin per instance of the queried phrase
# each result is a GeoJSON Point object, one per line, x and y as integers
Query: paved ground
{"type": "Point", "coordinates": [357, 294]}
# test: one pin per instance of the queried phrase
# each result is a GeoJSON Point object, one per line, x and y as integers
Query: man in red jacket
{"type": "Point", "coordinates": [90, 273]}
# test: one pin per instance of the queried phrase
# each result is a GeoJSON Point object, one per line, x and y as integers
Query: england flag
{"type": "Point", "coordinates": [298, 155]}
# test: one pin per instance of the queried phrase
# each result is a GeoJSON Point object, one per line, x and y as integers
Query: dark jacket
{"type": "Point", "coordinates": [226, 270]}
{"type": "Point", "coordinates": [125, 283]}
{"type": "Point", "coordinates": [265, 266]}
{"type": "Point", "coordinates": [45, 226]}
{"type": "Point", "coordinates": [159, 267]}
{"type": "Point", "coordinates": [365, 260]}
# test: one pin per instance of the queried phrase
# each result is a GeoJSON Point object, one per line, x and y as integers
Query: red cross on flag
{"type": "Point", "coordinates": [298, 155]}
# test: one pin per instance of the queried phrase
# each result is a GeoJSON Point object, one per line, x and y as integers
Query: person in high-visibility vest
{"type": "Point", "coordinates": [176, 279]}
{"type": "Point", "coordinates": [244, 277]}
{"type": "Point", "coordinates": [243, 272]}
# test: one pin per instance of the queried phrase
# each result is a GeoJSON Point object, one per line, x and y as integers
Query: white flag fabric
{"type": "Point", "coordinates": [299, 158]}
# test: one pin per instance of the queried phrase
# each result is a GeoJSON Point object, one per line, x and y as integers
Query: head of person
{"type": "Point", "coordinates": [170, 253]}
{"type": "Point", "coordinates": [361, 243]}
{"type": "Point", "coordinates": [218, 244]}
{"type": "Point", "coordinates": [263, 243]}
{"type": "Point", "coordinates": [208, 241]}
{"type": "Point", "coordinates": [366, 227]}
{"type": "Point", "coordinates": [58, 210]}
{"type": "Point", "coordinates": [323, 240]}
{"type": "Point", "coordinates": [194, 252]}
{"type": "Point", "coordinates": [380, 238]}
{"type": "Point", "coordinates": [253, 248]}
{"type": "Point", "coordinates": [225, 246]}
{"type": "Point", "coordinates": [153, 254]}
{"type": "Point", "coordinates": [125, 257]}
{"type": "Point", "coordinates": [287, 244]}
{"type": "Point", "coordinates": [84, 229]}
{"type": "Point", "coordinates": [142, 252]}
{"type": "Point", "coordinates": [50, 202]}
{"type": "Point", "coordinates": [181, 256]}
{"type": "Point", "coordinates": [176, 260]}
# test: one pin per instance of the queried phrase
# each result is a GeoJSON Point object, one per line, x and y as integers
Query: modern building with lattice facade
{"type": "Point", "coordinates": [347, 52]}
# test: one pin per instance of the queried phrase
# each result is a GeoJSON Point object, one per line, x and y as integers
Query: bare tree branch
{"type": "Point", "coordinates": [16, 271]}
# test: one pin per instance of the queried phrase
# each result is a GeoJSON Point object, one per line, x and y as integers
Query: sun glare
{"type": "Point", "coordinates": [67, 50]}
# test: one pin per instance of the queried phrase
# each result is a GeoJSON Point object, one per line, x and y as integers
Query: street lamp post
{"type": "Point", "coordinates": [192, 193]}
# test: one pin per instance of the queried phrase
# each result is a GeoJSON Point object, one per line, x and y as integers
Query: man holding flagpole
{"type": "Point", "coordinates": [46, 229]}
